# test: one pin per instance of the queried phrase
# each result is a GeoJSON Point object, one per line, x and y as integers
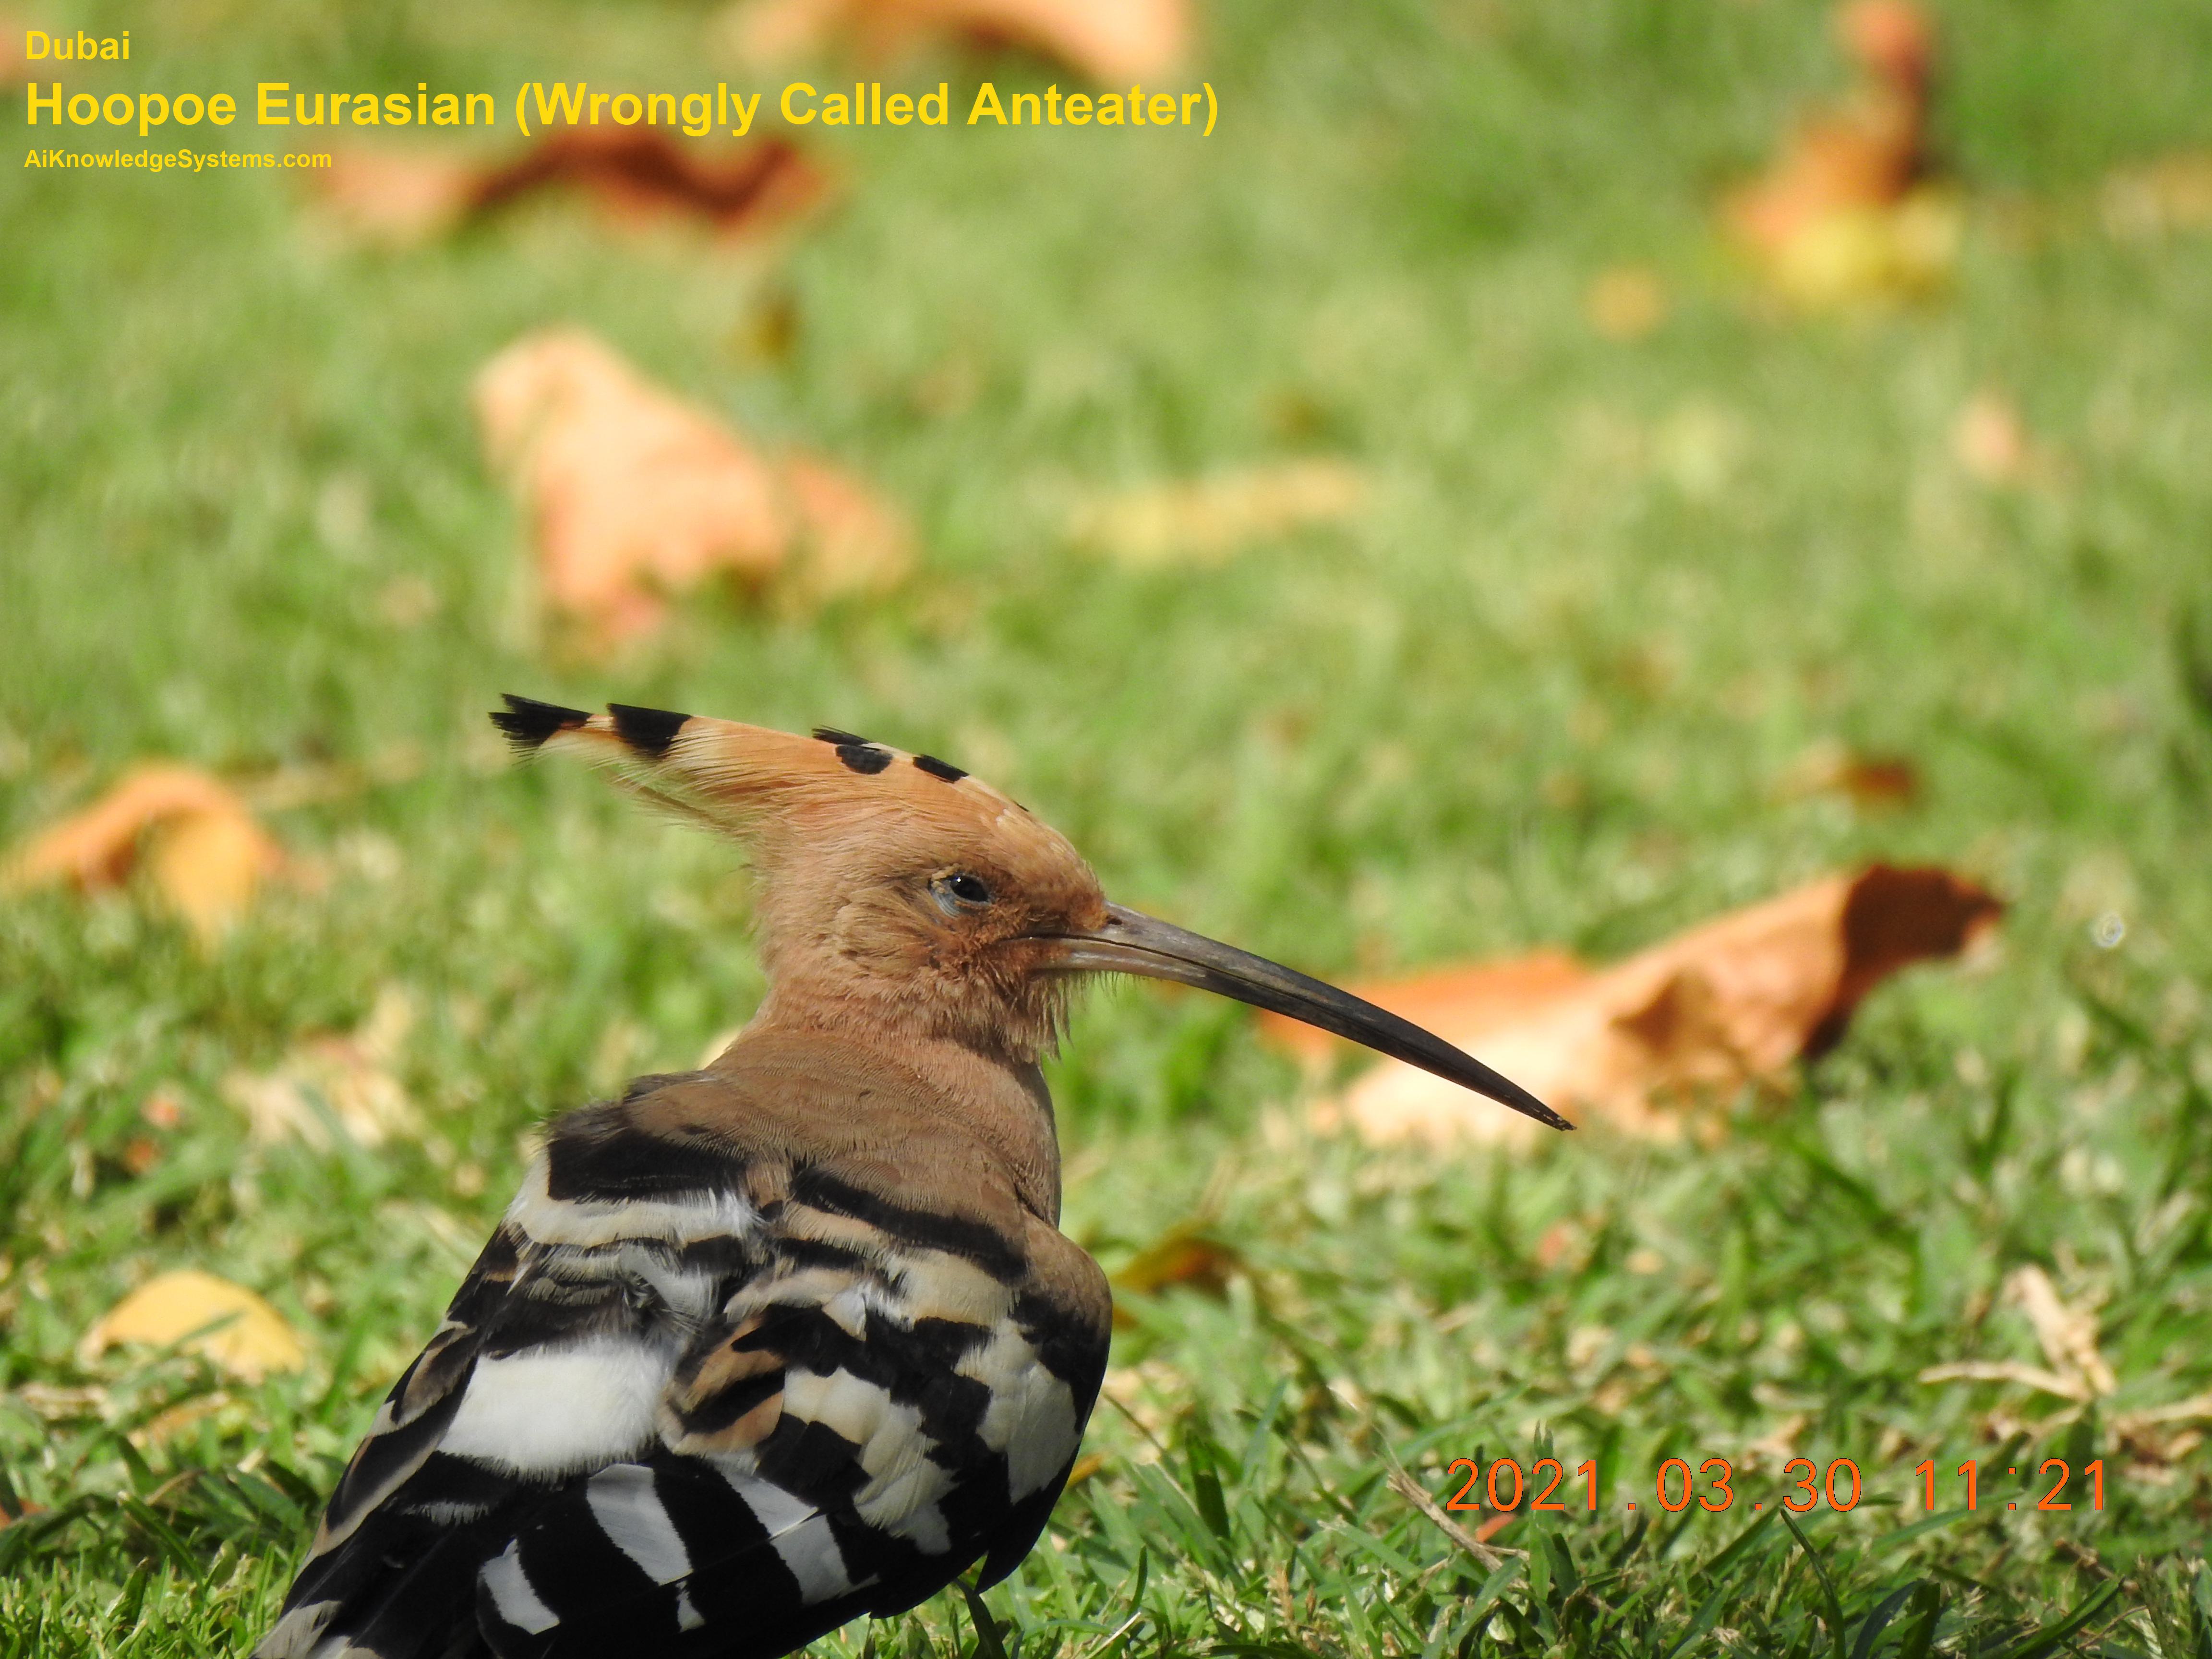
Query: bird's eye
{"type": "Point", "coordinates": [960, 890]}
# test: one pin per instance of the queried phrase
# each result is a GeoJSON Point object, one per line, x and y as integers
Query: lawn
{"type": "Point", "coordinates": [1547, 688]}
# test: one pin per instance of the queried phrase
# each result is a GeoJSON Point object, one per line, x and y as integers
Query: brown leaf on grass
{"type": "Point", "coordinates": [1105, 40]}
{"type": "Point", "coordinates": [850, 539]}
{"type": "Point", "coordinates": [637, 176]}
{"type": "Point", "coordinates": [1872, 782]}
{"type": "Point", "coordinates": [393, 197]}
{"type": "Point", "coordinates": [1206, 520]}
{"type": "Point", "coordinates": [635, 495]}
{"type": "Point", "coordinates": [227, 1323]}
{"type": "Point", "coordinates": [2161, 198]}
{"type": "Point", "coordinates": [1638, 1046]}
{"type": "Point", "coordinates": [203, 850]}
{"type": "Point", "coordinates": [1184, 1256]}
{"type": "Point", "coordinates": [328, 1076]}
{"type": "Point", "coordinates": [1847, 212]}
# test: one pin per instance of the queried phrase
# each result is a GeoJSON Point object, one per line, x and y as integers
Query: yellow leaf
{"type": "Point", "coordinates": [1203, 520]}
{"type": "Point", "coordinates": [226, 1322]}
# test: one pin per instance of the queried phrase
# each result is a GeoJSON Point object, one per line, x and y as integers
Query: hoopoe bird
{"type": "Point", "coordinates": [762, 1347]}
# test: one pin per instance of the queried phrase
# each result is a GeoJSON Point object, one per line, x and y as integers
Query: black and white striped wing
{"type": "Point", "coordinates": [688, 1405]}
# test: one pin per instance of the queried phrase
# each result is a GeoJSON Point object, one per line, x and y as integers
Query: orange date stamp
{"type": "Point", "coordinates": [1548, 1486]}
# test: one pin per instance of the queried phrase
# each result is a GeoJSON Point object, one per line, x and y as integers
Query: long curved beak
{"type": "Point", "coordinates": [1130, 942]}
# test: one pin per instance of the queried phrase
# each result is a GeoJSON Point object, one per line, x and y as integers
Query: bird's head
{"type": "Point", "coordinates": [898, 894]}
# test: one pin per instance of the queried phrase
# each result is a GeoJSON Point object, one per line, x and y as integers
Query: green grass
{"type": "Point", "coordinates": [1542, 691]}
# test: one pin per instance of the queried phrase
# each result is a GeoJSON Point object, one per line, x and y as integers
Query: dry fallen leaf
{"type": "Point", "coordinates": [1847, 213]}
{"type": "Point", "coordinates": [347, 1078]}
{"type": "Point", "coordinates": [391, 197]}
{"type": "Point", "coordinates": [405, 198]}
{"type": "Point", "coordinates": [851, 541]}
{"type": "Point", "coordinates": [1872, 782]}
{"type": "Point", "coordinates": [1105, 40]}
{"type": "Point", "coordinates": [1182, 1257]}
{"type": "Point", "coordinates": [1728, 1003]}
{"type": "Point", "coordinates": [252, 1340]}
{"type": "Point", "coordinates": [180, 1419]}
{"type": "Point", "coordinates": [1206, 519]}
{"type": "Point", "coordinates": [635, 495]}
{"type": "Point", "coordinates": [2161, 198]}
{"type": "Point", "coordinates": [204, 849]}
{"type": "Point", "coordinates": [1513, 991]}
{"type": "Point", "coordinates": [1627, 303]}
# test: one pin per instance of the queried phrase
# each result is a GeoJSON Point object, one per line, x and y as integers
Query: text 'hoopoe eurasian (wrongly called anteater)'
{"type": "Point", "coordinates": [765, 1346]}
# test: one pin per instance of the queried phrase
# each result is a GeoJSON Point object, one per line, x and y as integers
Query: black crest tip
{"type": "Point", "coordinates": [528, 722]}
{"type": "Point", "coordinates": [843, 739]}
{"type": "Point", "coordinates": [647, 731]}
{"type": "Point", "coordinates": [865, 758]}
{"type": "Point", "coordinates": [937, 768]}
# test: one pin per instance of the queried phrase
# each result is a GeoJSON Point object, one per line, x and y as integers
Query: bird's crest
{"type": "Point", "coordinates": [764, 786]}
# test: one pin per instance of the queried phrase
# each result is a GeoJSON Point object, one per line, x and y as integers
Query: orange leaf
{"type": "Point", "coordinates": [205, 851]}
{"type": "Point", "coordinates": [1845, 214]}
{"type": "Point", "coordinates": [1105, 40]}
{"type": "Point", "coordinates": [1729, 1004]}
{"type": "Point", "coordinates": [635, 495]}
{"type": "Point", "coordinates": [227, 1323]}
{"type": "Point", "coordinates": [405, 197]}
